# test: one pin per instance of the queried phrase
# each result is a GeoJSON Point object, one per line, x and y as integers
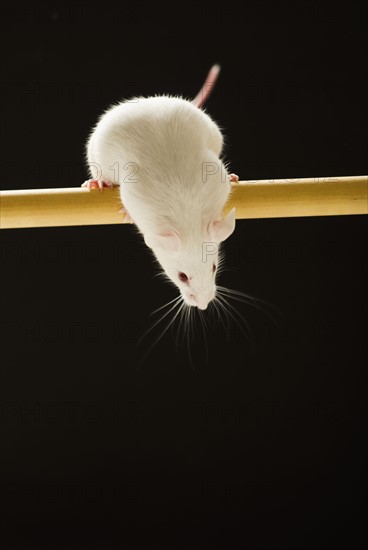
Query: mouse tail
{"type": "Point", "coordinates": [202, 96]}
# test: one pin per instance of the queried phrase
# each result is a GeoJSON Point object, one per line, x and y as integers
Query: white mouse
{"type": "Point", "coordinates": [164, 153]}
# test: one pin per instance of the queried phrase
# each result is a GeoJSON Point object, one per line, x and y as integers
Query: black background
{"type": "Point", "coordinates": [261, 445]}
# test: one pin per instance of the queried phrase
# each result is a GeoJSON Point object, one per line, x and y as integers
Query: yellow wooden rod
{"type": "Point", "coordinates": [286, 198]}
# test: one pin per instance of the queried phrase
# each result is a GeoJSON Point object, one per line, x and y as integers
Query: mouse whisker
{"type": "Point", "coordinates": [177, 299]}
{"type": "Point", "coordinates": [204, 327]}
{"type": "Point", "coordinates": [236, 316]}
{"type": "Point", "coordinates": [221, 313]}
{"type": "Point", "coordinates": [174, 306]}
{"type": "Point", "coordinates": [167, 326]}
{"type": "Point", "coordinates": [189, 314]}
{"type": "Point", "coordinates": [259, 304]}
{"type": "Point", "coordinates": [176, 332]}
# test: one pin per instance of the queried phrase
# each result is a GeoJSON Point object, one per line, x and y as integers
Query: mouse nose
{"type": "Point", "coordinates": [197, 302]}
{"type": "Point", "coordinates": [192, 299]}
{"type": "Point", "coordinates": [203, 303]}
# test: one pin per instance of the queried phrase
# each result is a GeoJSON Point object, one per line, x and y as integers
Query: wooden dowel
{"type": "Point", "coordinates": [252, 199]}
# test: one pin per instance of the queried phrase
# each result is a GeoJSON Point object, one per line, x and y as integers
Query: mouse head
{"type": "Point", "coordinates": [192, 265]}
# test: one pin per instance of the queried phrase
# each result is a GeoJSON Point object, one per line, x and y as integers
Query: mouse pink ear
{"type": "Point", "coordinates": [222, 229]}
{"type": "Point", "coordinates": [169, 241]}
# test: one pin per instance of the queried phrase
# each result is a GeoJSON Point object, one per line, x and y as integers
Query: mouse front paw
{"type": "Point", "coordinates": [98, 184]}
{"type": "Point", "coordinates": [233, 178]}
{"type": "Point", "coordinates": [127, 217]}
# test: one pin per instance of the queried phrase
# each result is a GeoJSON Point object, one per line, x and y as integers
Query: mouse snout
{"type": "Point", "coordinates": [190, 299]}
{"type": "Point", "coordinates": [203, 303]}
{"type": "Point", "coordinates": [200, 300]}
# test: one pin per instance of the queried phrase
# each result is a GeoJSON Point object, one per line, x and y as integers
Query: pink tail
{"type": "Point", "coordinates": [202, 96]}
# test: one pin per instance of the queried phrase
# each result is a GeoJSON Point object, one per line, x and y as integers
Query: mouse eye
{"type": "Point", "coordinates": [214, 268]}
{"type": "Point", "coordinates": [183, 277]}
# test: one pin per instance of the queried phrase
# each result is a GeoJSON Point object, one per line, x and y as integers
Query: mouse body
{"type": "Point", "coordinates": [164, 152]}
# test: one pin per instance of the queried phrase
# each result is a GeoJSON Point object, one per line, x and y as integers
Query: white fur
{"type": "Point", "coordinates": [166, 141]}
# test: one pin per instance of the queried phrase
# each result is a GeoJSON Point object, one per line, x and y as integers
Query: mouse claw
{"type": "Point", "coordinates": [98, 184]}
{"type": "Point", "coordinates": [127, 216]}
{"type": "Point", "coordinates": [233, 178]}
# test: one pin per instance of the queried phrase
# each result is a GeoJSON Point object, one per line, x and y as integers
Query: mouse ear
{"type": "Point", "coordinates": [169, 241]}
{"type": "Point", "coordinates": [222, 229]}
